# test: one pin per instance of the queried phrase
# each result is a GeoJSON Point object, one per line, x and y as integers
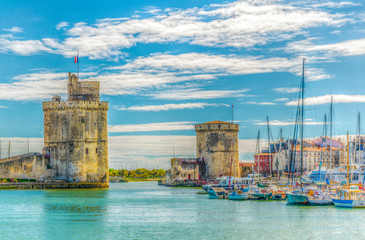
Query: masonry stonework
{"type": "Point", "coordinates": [217, 146]}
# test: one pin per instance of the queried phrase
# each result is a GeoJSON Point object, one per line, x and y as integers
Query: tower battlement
{"type": "Point", "coordinates": [69, 105]}
{"type": "Point", "coordinates": [217, 126]}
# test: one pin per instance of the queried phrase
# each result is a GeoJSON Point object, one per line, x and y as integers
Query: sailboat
{"type": "Point", "coordinates": [298, 196]}
{"type": "Point", "coordinates": [350, 196]}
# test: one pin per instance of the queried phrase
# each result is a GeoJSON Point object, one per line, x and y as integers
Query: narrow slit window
{"type": "Point", "coordinates": [87, 150]}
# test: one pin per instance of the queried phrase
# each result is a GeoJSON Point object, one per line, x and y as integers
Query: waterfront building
{"type": "Point", "coordinates": [246, 168]}
{"type": "Point", "coordinates": [217, 146]}
{"type": "Point", "coordinates": [75, 140]}
{"type": "Point", "coordinates": [216, 155]}
{"type": "Point", "coordinates": [75, 133]}
{"type": "Point", "coordinates": [264, 161]}
{"type": "Point", "coordinates": [314, 152]}
{"type": "Point", "coordinates": [184, 169]}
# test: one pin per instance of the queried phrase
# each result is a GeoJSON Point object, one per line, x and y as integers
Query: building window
{"type": "Point", "coordinates": [82, 119]}
{"type": "Point", "coordinates": [87, 150]}
{"type": "Point", "coordinates": [25, 167]}
{"type": "Point", "coordinates": [96, 150]}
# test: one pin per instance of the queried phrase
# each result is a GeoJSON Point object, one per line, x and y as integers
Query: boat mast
{"type": "Point", "coordinates": [358, 139]}
{"type": "Point", "coordinates": [230, 174]}
{"type": "Point", "coordinates": [9, 150]}
{"type": "Point", "coordinates": [331, 138]}
{"type": "Point", "coordinates": [258, 154]}
{"type": "Point", "coordinates": [348, 156]}
{"type": "Point", "coordinates": [277, 164]}
{"type": "Point", "coordinates": [268, 139]}
{"type": "Point", "coordinates": [352, 159]}
{"type": "Point", "coordinates": [301, 127]}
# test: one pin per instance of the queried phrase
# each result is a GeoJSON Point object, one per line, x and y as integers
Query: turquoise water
{"type": "Point", "coordinates": [144, 210]}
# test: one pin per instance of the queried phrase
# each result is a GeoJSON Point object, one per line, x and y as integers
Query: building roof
{"type": "Point", "coordinates": [217, 122]}
{"type": "Point", "coordinates": [246, 164]}
{"type": "Point", "coordinates": [265, 154]}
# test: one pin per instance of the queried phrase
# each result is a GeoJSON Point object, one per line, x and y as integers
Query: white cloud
{"type": "Point", "coordinates": [13, 29]}
{"type": "Point", "coordinates": [196, 93]}
{"type": "Point", "coordinates": [287, 90]}
{"type": "Point", "coordinates": [61, 25]}
{"type": "Point", "coordinates": [159, 76]}
{"type": "Point", "coordinates": [316, 74]}
{"type": "Point", "coordinates": [237, 24]}
{"type": "Point", "coordinates": [330, 4]}
{"type": "Point", "coordinates": [21, 47]}
{"type": "Point", "coordinates": [129, 82]}
{"type": "Point", "coordinates": [287, 123]}
{"type": "Point", "coordinates": [261, 103]}
{"type": "Point", "coordinates": [281, 99]}
{"type": "Point", "coordinates": [167, 107]}
{"type": "Point", "coordinates": [352, 47]}
{"type": "Point", "coordinates": [151, 127]}
{"type": "Point", "coordinates": [163, 70]}
{"type": "Point", "coordinates": [190, 63]}
{"type": "Point", "coordinates": [35, 86]}
{"type": "Point", "coordinates": [336, 32]}
{"type": "Point", "coordinates": [326, 99]}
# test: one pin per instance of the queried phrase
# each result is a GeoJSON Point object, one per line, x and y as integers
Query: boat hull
{"type": "Point", "coordinates": [213, 195]}
{"type": "Point", "coordinates": [237, 197]}
{"type": "Point", "coordinates": [296, 198]}
{"type": "Point", "coordinates": [349, 203]}
{"type": "Point", "coordinates": [320, 202]}
{"type": "Point", "coordinates": [261, 196]}
{"type": "Point", "coordinates": [278, 197]}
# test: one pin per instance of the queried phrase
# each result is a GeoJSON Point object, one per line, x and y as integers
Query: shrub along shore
{"type": "Point", "coordinates": [139, 174]}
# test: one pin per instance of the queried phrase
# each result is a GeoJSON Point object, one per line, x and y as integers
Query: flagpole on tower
{"type": "Point", "coordinates": [232, 113]}
{"type": "Point", "coordinates": [78, 67]}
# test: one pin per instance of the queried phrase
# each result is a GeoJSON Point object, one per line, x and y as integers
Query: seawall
{"type": "Point", "coordinates": [63, 185]}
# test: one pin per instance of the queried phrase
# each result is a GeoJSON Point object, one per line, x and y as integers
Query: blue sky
{"type": "Point", "coordinates": [167, 65]}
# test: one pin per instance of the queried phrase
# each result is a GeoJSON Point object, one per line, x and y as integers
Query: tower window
{"type": "Point", "coordinates": [82, 119]}
{"type": "Point", "coordinates": [96, 150]}
{"type": "Point", "coordinates": [87, 150]}
{"type": "Point", "coordinates": [25, 167]}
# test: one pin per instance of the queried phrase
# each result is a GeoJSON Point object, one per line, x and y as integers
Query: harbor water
{"type": "Point", "coordinates": [144, 210]}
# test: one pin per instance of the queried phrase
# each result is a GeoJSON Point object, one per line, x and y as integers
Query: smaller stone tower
{"type": "Point", "coordinates": [217, 144]}
{"type": "Point", "coordinates": [76, 135]}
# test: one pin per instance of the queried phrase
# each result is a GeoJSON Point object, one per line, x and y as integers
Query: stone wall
{"type": "Point", "coordinates": [181, 170]}
{"type": "Point", "coordinates": [216, 145]}
{"type": "Point", "coordinates": [26, 166]}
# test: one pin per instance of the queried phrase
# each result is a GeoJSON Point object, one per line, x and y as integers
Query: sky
{"type": "Point", "coordinates": [167, 65]}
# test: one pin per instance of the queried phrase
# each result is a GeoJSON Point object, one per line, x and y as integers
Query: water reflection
{"type": "Point", "coordinates": [67, 211]}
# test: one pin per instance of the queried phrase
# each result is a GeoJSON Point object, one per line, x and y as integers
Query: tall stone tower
{"type": "Point", "coordinates": [217, 144]}
{"type": "Point", "coordinates": [76, 135]}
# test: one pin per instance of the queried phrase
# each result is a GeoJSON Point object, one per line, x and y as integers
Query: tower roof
{"type": "Point", "coordinates": [217, 122]}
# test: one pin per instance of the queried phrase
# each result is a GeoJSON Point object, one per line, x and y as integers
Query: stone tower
{"type": "Point", "coordinates": [216, 144]}
{"type": "Point", "coordinates": [76, 135]}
